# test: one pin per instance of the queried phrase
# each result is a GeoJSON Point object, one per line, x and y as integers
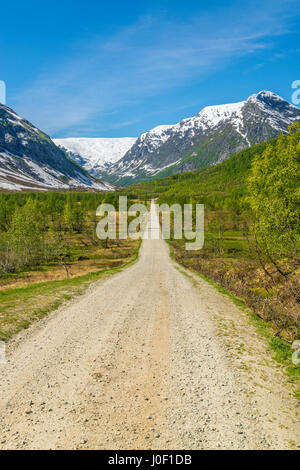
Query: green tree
{"type": "Point", "coordinates": [26, 235]}
{"type": "Point", "coordinates": [274, 197]}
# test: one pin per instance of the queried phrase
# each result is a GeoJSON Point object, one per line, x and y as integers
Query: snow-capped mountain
{"type": "Point", "coordinates": [95, 154]}
{"type": "Point", "coordinates": [211, 136]}
{"type": "Point", "coordinates": [29, 160]}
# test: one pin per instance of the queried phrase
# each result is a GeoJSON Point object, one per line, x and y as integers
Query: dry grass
{"type": "Point", "coordinates": [30, 295]}
{"type": "Point", "coordinates": [85, 257]}
{"type": "Point", "coordinates": [276, 301]}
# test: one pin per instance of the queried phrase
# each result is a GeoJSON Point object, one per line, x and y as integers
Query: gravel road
{"type": "Point", "coordinates": [149, 358]}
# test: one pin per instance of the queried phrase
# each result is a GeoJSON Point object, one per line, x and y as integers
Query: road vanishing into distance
{"type": "Point", "coordinates": [152, 357]}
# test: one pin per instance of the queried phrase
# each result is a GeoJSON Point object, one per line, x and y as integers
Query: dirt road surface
{"type": "Point", "coordinates": [150, 358]}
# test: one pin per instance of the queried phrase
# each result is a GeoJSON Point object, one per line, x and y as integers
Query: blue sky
{"type": "Point", "coordinates": [115, 69]}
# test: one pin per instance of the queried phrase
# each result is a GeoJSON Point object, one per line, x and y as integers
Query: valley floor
{"type": "Point", "coordinates": [150, 358]}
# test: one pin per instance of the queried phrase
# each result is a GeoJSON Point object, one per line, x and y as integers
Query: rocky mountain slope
{"type": "Point", "coordinates": [211, 136]}
{"type": "Point", "coordinates": [95, 154]}
{"type": "Point", "coordinates": [30, 160]}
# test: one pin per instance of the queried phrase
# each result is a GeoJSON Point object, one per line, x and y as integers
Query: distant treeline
{"type": "Point", "coordinates": [50, 204]}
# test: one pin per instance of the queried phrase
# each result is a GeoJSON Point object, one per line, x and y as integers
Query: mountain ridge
{"type": "Point", "coordinates": [95, 153]}
{"type": "Point", "coordinates": [205, 139]}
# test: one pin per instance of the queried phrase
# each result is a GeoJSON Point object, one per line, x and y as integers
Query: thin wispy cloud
{"type": "Point", "coordinates": [143, 60]}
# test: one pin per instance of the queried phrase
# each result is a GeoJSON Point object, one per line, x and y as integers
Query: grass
{"type": "Point", "coordinates": [282, 351]}
{"type": "Point", "coordinates": [21, 306]}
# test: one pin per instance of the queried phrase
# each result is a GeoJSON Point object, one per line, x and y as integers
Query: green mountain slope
{"type": "Point", "coordinates": [218, 186]}
{"type": "Point", "coordinates": [29, 159]}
